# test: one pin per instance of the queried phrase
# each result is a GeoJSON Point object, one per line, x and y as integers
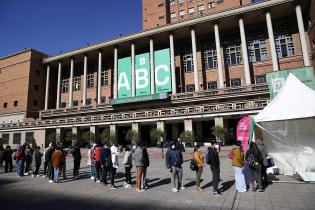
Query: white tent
{"type": "Point", "coordinates": [288, 125]}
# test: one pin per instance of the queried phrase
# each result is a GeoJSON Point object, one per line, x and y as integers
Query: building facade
{"type": "Point", "coordinates": [216, 74]}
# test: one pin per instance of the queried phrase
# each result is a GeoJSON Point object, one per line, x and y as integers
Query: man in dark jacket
{"type": "Point", "coordinates": [8, 159]}
{"type": "Point", "coordinates": [76, 153]}
{"type": "Point", "coordinates": [48, 156]}
{"type": "Point", "coordinates": [38, 160]}
{"type": "Point", "coordinates": [106, 160]}
{"type": "Point", "coordinates": [174, 161]}
{"type": "Point", "coordinates": [212, 158]}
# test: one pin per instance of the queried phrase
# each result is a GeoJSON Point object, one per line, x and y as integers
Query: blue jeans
{"type": "Point", "coordinates": [56, 174]}
{"type": "Point", "coordinates": [92, 170]}
{"type": "Point", "coordinates": [20, 167]}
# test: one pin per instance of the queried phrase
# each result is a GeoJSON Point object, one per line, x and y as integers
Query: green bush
{"type": "Point", "coordinates": [187, 137]}
{"type": "Point", "coordinates": [131, 137]}
{"type": "Point", "coordinates": [219, 132]}
{"type": "Point", "coordinates": [155, 135]}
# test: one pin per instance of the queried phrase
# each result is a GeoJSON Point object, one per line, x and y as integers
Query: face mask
{"type": "Point", "coordinates": [199, 150]}
{"type": "Point", "coordinates": [173, 147]}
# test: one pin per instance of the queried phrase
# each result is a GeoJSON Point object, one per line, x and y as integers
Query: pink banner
{"type": "Point", "coordinates": [243, 131]}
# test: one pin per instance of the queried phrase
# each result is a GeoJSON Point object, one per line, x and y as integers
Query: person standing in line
{"type": "Point", "coordinates": [114, 151]}
{"type": "Point", "coordinates": [90, 161]}
{"type": "Point", "coordinates": [139, 162]}
{"type": "Point", "coordinates": [45, 161]}
{"type": "Point", "coordinates": [20, 157]}
{"type": "Point", "coordinates": [128, 166]}
{"type": "Point", "coordinates": [76, 153]}
{"type": "Point", "coordinates": [37, 156]}
{"type": "Point", "coordinates": [1, 156]}
{"type": "Point", "coordinates": [212, 158]}
{"type": "Point", "coordinates": [57, 160]}
{"type": "Point", "coordinates": [97, 162]}
{"type": "Point", "coordinates": [146, 164]}
{"type": "Point", "coordinates": [255, 160]}
{"type": "Point", "coordinates": [237, 157]}
{"type": "Point", "coordinates": [200, 161]}
{"type": "Point", "coordinates": [48, 156]}
{"type": "Point", "coordinates": [8, 159]}
{"type": "Point", "coordinates": [174, 161]}
{"type": "Point", "coordinates": [264, 165]}
{"type": "Point", "coordinates": [106, 158]}
{"type": "Point", "coordinates": [63, 168]}
{"type": "Point", "coordinates": [28, 159]}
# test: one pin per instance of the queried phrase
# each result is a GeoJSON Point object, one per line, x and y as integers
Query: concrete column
{"type": "Point", "coordinates": [174, 131]}
{"type": "Point", "coordinates": [160, 125]}
{"type": "Point", "coordinates": [219, 57]}
{"type": "Point", "coordinates": [94, 132]}
{"type": "Point", "coordinates": [136, 127]}
{"type": "Point", "coordinates": [113, 130]}
{"type": "Point", "coordinates": [58, 135]}
{"type": "Point", "coordinates": [75, 132]}
{"type": "Point", "coordinates": [274, 57]}
{"type": "Point", "coordinates": [194, 51]}
{"type": "Point", "coordinates": [173, 64]}
{"type": "Point", "coordinates": [152, 66]}
{"type": "Point", "coordinates": [47, 87]}
{"type": "Point", "coordinates": [71, 84]}
{"type": "Point", "coordinates": [188, 125]}
{"type": "Point", "coordinates": [84, 81]}
{"type": "Point", "coordinates": [58, 86]}
{"type": "Point", "coordinates": [244, 51]}
{"type": "Point", "coordinates": [99, 84]}
{"type": "Point", "coordinates": [115, 72]}
{"type": "Point", "coordinates": [299, 17]}
{"type": "Point", "coordinates": [218, 121]}
{"type": "Point", "coordinates": [133, 71]}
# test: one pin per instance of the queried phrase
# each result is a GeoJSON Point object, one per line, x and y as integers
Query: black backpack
{"type": "Point", "coordinates": [193, 165]}
{"type": "Point", "coordinates": [250, 160]}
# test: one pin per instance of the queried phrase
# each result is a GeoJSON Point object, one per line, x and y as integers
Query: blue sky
{"type": "Point", "coordinates": [52, 26]}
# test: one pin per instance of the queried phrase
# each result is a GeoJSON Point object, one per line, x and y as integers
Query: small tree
{"type": "Point", "coordinates": [131, 136]}
{"type": "Point", "coordinates": [88, 137]}
{"type": "Point", "coordinates": [52, 138]}
{"type": "Point", "coordinates": [187, 137]}
{"type": "Point", "coordinates": [107, 137]}
{"type": "Point", "coordinates": [70, 139]}
{"type": "Point", "coordinates": [219, 133]}
{"type": "Point", "coordinates": [156, 135]}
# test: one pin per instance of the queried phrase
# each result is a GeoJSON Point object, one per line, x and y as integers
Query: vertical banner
{"type": "Point", "coordinates": [143, 74]}
{"type": "Point", "coordinates": [124, 77]}
{"type": "Point", "coordinates": [243, 131]}
{"type": "Point", "coordinates": [162, 70]}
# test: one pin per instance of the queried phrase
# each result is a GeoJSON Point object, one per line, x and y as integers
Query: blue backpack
{"type": "Point", "coordinates": [208, 156]}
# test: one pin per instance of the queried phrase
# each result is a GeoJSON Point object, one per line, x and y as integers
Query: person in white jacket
{"type": "Point", "coordinates": [115, 152]}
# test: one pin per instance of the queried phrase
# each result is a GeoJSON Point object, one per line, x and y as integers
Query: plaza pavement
{"type": "Point", "coordinates": [36, 193]}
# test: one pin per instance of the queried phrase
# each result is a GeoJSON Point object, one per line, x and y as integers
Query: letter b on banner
{"type": "Point", "coordinates": [143, 74]}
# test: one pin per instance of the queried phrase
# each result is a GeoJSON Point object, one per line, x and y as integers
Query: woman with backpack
{"type": "Point", "coordinates": [237, 157]}
{"type": "Point", "coordinates": [254, 159]}
{"type": "Point", "coordinates": [200, 161]}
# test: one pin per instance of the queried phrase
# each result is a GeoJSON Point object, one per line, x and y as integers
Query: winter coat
{"type": "Point", "coordinates": [146, 160]}
{"type": "Point", "coordinates": [106, 157]}
{"type": "Point", "coordinates": [57, 158]}
{"type": "Point", "coordinates": [199, 158]}
{"type": "Point", "coordinates": [7, 155]}
{"type": "Point", "coordinates": [76, 153]}
{"type": "Point", "coordinates": [115, 151]}
{"type": "Point", "coordinates": [213, 156]}
{"type": "Point", "coordinates": [262, 149]}
{"type": "Point", "coordinates": [138, 156]}
{"type": "Point", "coordinates": [237, 157]}
{"type": "Point", "coordinates": [37, 156]}
{"type": "Point", "coordinates": [174, 157]}
{"type": "Point", "coordinates": [49, 153]}
{"type": "Point", "coordinates": [2, 155]}
{"type": "Point", "coordinates": [128, 159]}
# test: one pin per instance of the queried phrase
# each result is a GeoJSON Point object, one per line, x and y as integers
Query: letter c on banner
{"type": "Point", "coordinates": [166, 79]}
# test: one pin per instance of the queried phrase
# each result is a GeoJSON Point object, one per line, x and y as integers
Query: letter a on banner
{"type": "Point", "coordinates": [143, 74]}
{"type": "Point", "coordinates": [162, 65]}
{"type": "Point", "coordinates": [124, 77]}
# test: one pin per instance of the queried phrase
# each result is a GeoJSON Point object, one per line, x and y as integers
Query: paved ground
{"type": "Point", "coordinates": [37, 193]}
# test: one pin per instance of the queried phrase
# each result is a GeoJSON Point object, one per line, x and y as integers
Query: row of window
{"type": "Point", "coordinates": [181, 2]}
{"type": "Point", "coordinates": [87, 102]}
{"type": "Point", "coordinates": [16, 103]}
{"type": "Point", "coordinates": [17, 137]}
{"type": "Point", "coordinates": [191, 10]}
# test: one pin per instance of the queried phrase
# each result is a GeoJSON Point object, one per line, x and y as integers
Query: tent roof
{"type": "Point", "coordinates": [295, 100]}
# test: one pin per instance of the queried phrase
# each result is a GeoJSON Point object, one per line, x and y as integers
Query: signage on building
{"type": "Point", "coordinates": [152, 97]}
{"type": "Point", "coordinates": [277, 79]}
{"type": "Point", "coordinates": [162, 75]}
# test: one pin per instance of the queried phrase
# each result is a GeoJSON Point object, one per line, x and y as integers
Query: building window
{"type": "Point", "coordinates": [190, 88]}
{"type": "Point", "coordinates": [35, 103]}
{"type": "Point", "coordinates": [181, 1]}
{"type": "Point", "coordinates": [65, 86]}
{"type": "Point", "coordinates": [182, 12]}
{"type": "Point", "coordinates": [16, 138]}
{"type": "Point", "coordinates": [161, 5]}
{"type": "Point", "coordinates": [105, 77]}
{"type": "Point", "coordinates": [191, 11]}
{"type": "Point", "coordinates": [173, 15]}
{"type": "Point", "coordinates": [5, 138]}
{"type": "Point", "coordinates": [29, 136]}
{"type": "Point", "coordinates": [283, 40]}
{"type": "Point", "coordinates": [210, 56]}
{"type": "Point", "coordinates": [5, 105]}
{"type": "Point", "coordinates": [212, 85]}
{"type": "Point", "coordinates": [16, 103]}
{"type": "Point", "coordinates": [76, 83]}
{"type": "Point", "coordinates": [36, 87]}
{"type": "Point", "coordinates": [88, 101]}
{"type": "Point", "coordinates": [37, 72]}
{"type": "Point", "coordinates": [161, 17]}
{"type": "Point", "coordinates": [260, 79]}
{"type": "Point", "coordinates": [211, 5]}
{"type": "Point", "coordinates": [90, 80]}
{"type": "Point", "coordinates": [201, 7]}
{"type": "Point", "coordinates": [232, 52]}
{"type": "Point", "coordinates": [63, 105]}
{"type": "Point", "coordinates": [75, 103]}
{"type": "Point", "coordinates": [103, 99]}
{"type": "Point", "coordinates": [188, 61]}
{"type": "Point", "coordinates": [235, 82]}
{"type": "Point", "coordinates": [172, 3]}
{"type": "Point", "coordinates": [257, 50]}
{"type": "Point", "coordinates": [190, 1]}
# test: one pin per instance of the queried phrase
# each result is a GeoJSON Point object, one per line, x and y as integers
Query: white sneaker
{"type": "Point", "coordinates": [37, 175]}
{"type": "Point", "coordinates": [92, 177]}
{"type": "Point", "coordinates": [44, 176]}
{"type": "Point", "coordinates": [50, 181]}
{"type": "Point", "coordinates": [33, 175]}
{"type": "Point", "coordinates": [25, 174]}
{"type": "Point", "coordinates": [183, 188]}
{"type": "Point", "coordinates": [98, 181]}
{"type": "Point", "coordinates": [175, 190]}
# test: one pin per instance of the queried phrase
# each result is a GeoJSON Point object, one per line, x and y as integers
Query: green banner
{"type": "Point", "coordinates": [124, 77]}
{"type": "Point", "coordinates": [163, 81]}
{"type": "Point", "coordinates": [143, 74]}
{"type": "Point", "coordinates": [277, 79]}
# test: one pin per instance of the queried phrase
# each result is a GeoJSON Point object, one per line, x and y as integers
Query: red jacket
{"type": "Point", "coordinates": [97, 154]}
{"type": "Point", "coordinates": [20, 155]}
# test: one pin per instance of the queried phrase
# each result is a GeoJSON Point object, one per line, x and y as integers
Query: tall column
{"type": "Point", "coordinates": [152, 66]}
{"type": "Point", "coordinates": [94, 133]}
{"type": "Point", "coordinates": [115, 72]}
{"type": "Point", "coordinates": [99, 84]}
{"type": "Point", "coordinates": [136, 127]}
{"type": "Point", "coordinates": [188, 125]}
{"type": "Point", "coordinates": [58, 135]}
{"type": "Point", "coordinates": [218, 121]}
{"type": "Point", "coordinates": [299, 17]}
{"type": "Point", "coordinates": [173, 64]}
{"type": "Point", "coordinates": [75, 136]}
{"type": "Point", "coordinates": [194, 51]}
{"type": "Point", "coordinates": [274, 57]}
{"type": "Point", "coordinates": [58, 86]}
{"type": "Point", "coordinates": [160, 125]}
{"type": "Point", "coordinates": [113, 130]}
{"type": "Point", "coordinates": [47, 87]}
{"type": "Point", "coordinates": [84, 81]}
{"type": "Point", "coordinates": [71, 84]}
{"type": "Point", "coordinates": [219, 57]}
{"type": "Point", "coordinates": [133, 71]}
{"type": "Point", "coordinates": [244, 51]}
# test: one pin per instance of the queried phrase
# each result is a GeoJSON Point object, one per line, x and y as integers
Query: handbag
{"type": "Point", "coordinates": [193, 166]}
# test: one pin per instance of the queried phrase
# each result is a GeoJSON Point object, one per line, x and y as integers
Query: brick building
{"type": "Point", "coordinates": [218, 61]}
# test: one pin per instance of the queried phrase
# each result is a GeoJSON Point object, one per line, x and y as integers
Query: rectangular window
{"type": "Point", "coordinates": [232, 52]}
{"type": "Point", "coordinates": [63, 105]}
{"type": "Point", "coordinates": [172, 3]}
{"type": "Point", "coordinates": [201, 7]}
{"type": "Point", "coordinates": [103, 99]}
{"type": "Point", "coordinates": [5, 138]}
{"type": "Point", "coordinates": [76, 83]}
{"type": "Point", "coordinates": [105, 77]}
{"type": "Point", "coordinates": [16, 103]}
{"type": "Point", "coordinates": [161, 17]}
{"type": "Point", "coordinates": [191, 11]}
{"type": "Point", "coordinates": [173, 15]}
{"type": "Point", "coordinates": [161, 5]}
{"type": "Point", "coordinates": [76, 103]}
{"type": "Point", "coordinates": [90, 80]}
{"type": "Point", "coordinates": [187, 58]}
{"type": "Point", "coordinates": [210, 56]}
{"type": "Point", "coordinates": [256, 45]}
{"type": "Point", "coordinates": [5, 105]}
{"type": "Point", "coordinates": [181, 1]}
{"type": "Point", "coordinates": [190, 88]}
{"type": "Point", "coordinates": [65, 86]}
{"type": "Point", "coordinates": [16, 138]}
{"type": "Point", "coordinates": [88, 101]}
{"type": "Point", "coordinates": [235, 82]}
{"type": "Point", "coordinates": [283, 40]}
{"type": "Point", "coordinates": [182, 12]}
{"type": "Point", "coordinates": [260, 79]}
{"type": "Point", "coordinates": [212, 85]}
{"type": "Point", "coordinates": [211, 5]}
{"type": "Point", "coordinates": [29, 136]}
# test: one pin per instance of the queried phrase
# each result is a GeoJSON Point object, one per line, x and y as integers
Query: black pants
{"type": "Point", "coordinates": [45, 167]}
{"type": "Point", "coordinates": [37, 168]}
{"type": "Point", "coordinates": [76, 167]}
{"type": "Point", "coordinates": [128, 174]}
{"type": "Point", "coordinates": [98, 170]}
{"type": "Point", "coordinates": [105, 172]}
{"type": "Point", "coordinates": [27, 165]}
{"type": "Point", "coordinates": [215, 177]}
{"type": "Point", "coordinates": [256, 175]}
{"type": "Point", "coordinates": [264, 176]}
{"type": "Point", "coordinates": [50, 174]}
{"type": "Point", "coordinates": [7, 164]}
{"type": "Point", "coordinates": [113, 174]}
